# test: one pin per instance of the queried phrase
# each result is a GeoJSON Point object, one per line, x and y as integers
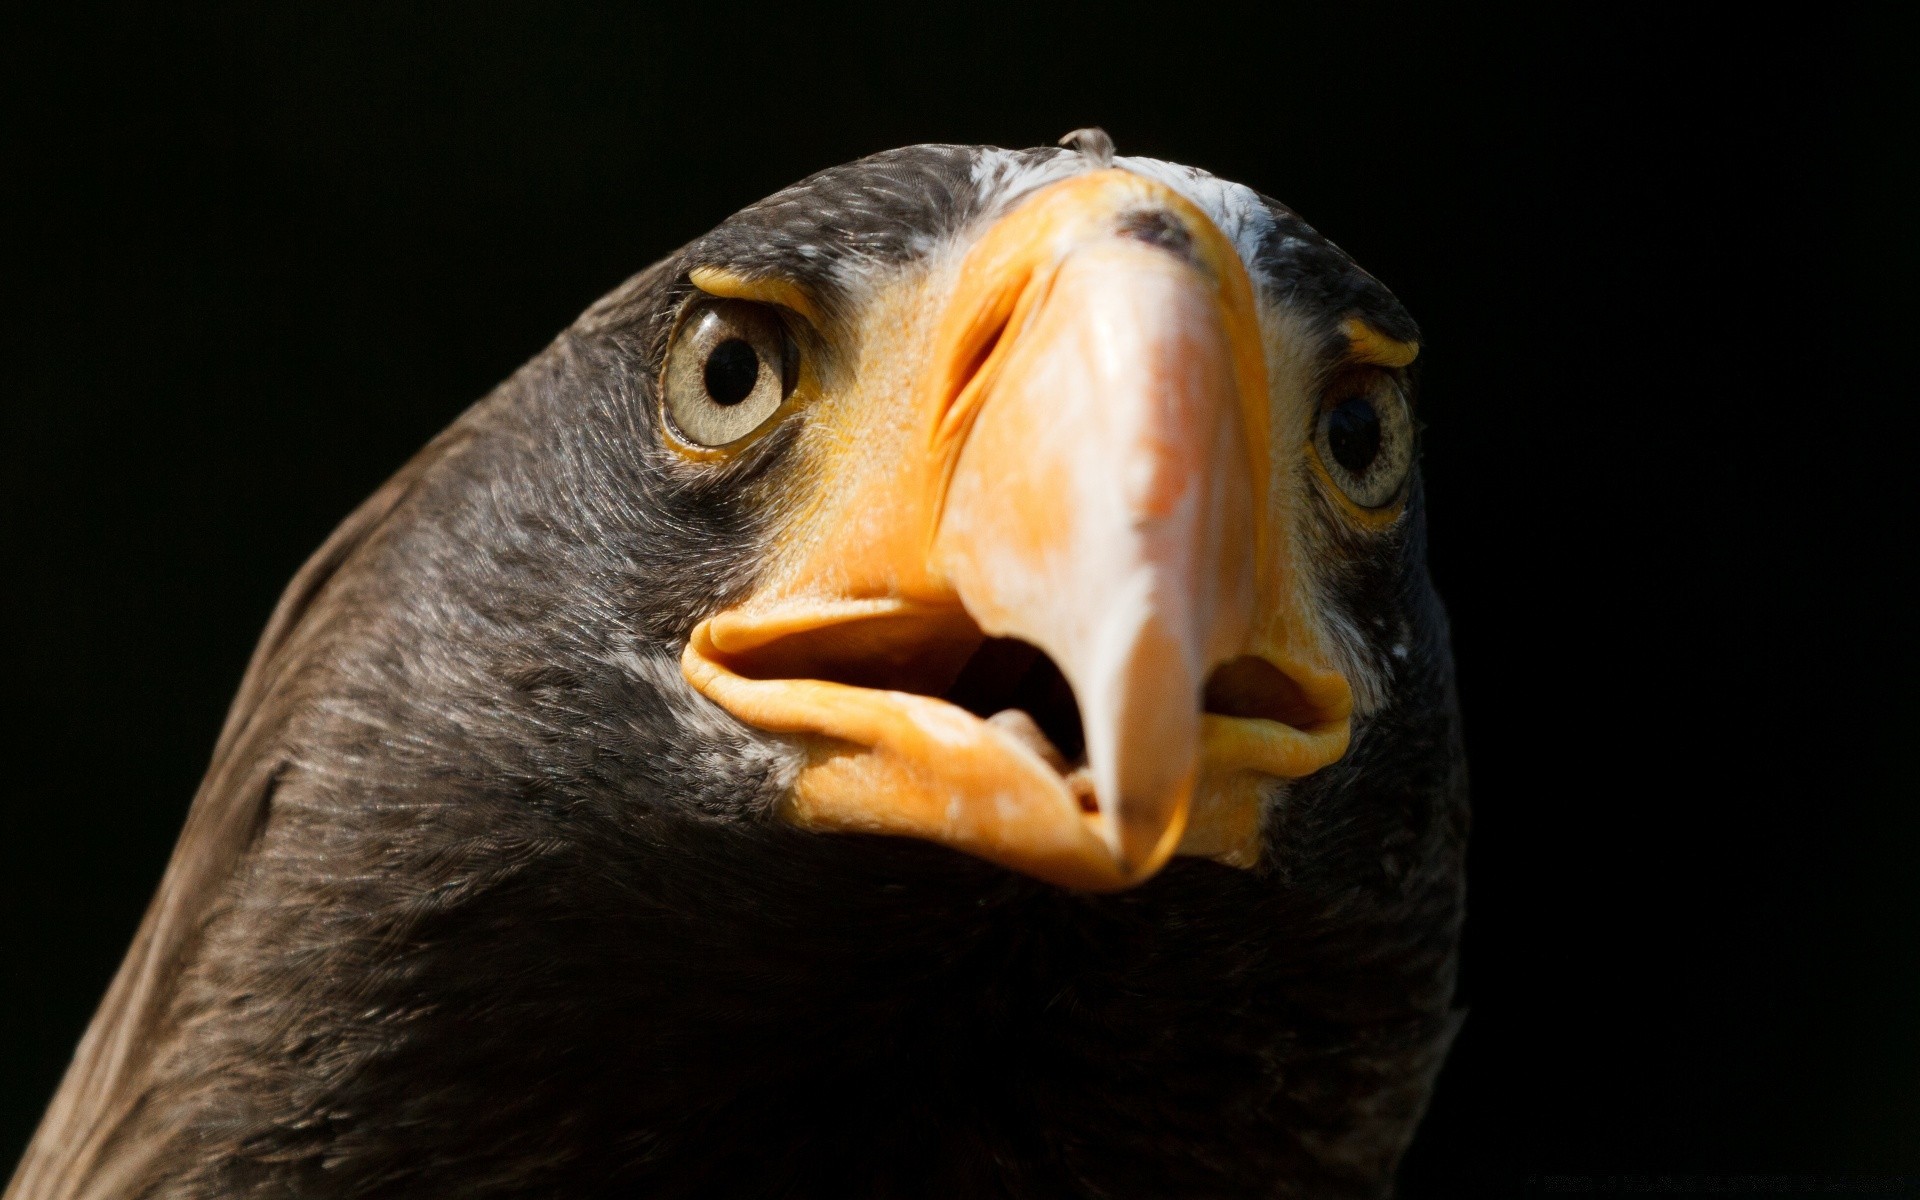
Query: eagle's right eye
{"type": "Point", "coordinates": [731, 365]}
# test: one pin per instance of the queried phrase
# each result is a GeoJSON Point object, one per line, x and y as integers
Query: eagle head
{"type": "Point", "coordinates": [932, 688]}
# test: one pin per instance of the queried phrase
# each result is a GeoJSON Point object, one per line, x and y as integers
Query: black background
{"type": "Point", "coordinates": [257, 255]}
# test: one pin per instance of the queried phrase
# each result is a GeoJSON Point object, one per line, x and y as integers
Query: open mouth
{"type": "Point", "coordinates": [940, 654]}
{"type": "Point", "coordinates": [914, 720]}
{"type": "Point", "coordinates": [1011, 685]}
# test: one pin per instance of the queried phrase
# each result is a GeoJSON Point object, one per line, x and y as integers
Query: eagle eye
{"type": "Point", "coordinates": [1365, 440]}
{"type": "Point", "coordinates": [730, 366]}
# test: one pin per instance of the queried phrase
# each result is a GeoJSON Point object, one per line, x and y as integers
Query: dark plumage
{"type": "Point", "coordinates": [480, 898]}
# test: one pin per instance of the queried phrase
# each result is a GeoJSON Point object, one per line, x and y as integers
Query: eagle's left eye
{"type": "Point", "coordinates": [1365, 441]}
{"type": "Point", "coordinates": [729, 368]}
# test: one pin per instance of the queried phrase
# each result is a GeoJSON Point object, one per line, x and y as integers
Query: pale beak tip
{"type": "Point", "coordinates": [1143, 834]}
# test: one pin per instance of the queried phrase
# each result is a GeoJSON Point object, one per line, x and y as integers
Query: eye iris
{"type": "Point", "coordinates": [1353, 434]}
{"type": "Point", "coordinates": [732, 370]}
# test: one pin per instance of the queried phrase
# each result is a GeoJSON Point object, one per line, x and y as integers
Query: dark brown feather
{"type": "Point", "coordinates": [98, 1093]}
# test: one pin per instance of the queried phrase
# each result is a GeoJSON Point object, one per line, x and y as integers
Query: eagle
{"type": "Point", "coordinates": [932, 689]}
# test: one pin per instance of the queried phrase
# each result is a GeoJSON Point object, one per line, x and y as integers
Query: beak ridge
{"type": "Point", "coordinates": [1100, 509]}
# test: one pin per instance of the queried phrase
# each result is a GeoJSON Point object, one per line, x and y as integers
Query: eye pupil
{"type": "Point", "coordinates": [732, 370]}
{"type": "Point", "coordinates": [1353, 434]}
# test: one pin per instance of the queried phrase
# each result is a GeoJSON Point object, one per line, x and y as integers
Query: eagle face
{"type": "Point", "coordinates": [933, 688]}
{"type": "Point", "coordinates": [1062, 472]}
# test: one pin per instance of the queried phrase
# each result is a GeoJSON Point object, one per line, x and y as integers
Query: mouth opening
{"type": "Point", "coordinates": [1006, 682]}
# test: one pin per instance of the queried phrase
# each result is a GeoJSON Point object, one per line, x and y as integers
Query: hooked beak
{"type": "Point", "coordinates": [1046, 624]}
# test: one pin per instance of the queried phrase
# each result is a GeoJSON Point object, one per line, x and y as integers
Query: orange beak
{"type": "Point", "coordinates": [1075, 517]}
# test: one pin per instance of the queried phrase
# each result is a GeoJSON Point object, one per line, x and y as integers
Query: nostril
{"type": "Point", "coordinates": [969, 349]}
{"type": "Point", "coordinates": [1250, 686]}
{"type": "Point", "coordinates": [977, 354]}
